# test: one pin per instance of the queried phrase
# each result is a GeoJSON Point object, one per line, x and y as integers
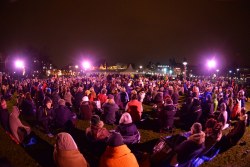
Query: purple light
{"type": "Point", "coordinates": [19, 64]}
{"type": "Point", "coordinates": [86, 65]}
{"type": "Point", "coordinates": [211, 63]}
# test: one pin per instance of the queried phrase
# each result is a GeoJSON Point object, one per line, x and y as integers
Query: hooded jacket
{"type": "Point", "coordinates": [119, 156]}
{"type": "Point", "coordinates": [66, 153]}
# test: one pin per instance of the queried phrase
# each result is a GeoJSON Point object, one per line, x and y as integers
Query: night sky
{"type": "Point", "coordinates": [128, 31]}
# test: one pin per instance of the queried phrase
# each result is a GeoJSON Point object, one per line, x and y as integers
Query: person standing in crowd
{"type": "Point", "coordinates": [45, 116]}
{"type": "Point", "coordinates": [166, 116]}
{"type": "Point", "coordinates": [66, 152]}
{"type": "Point", "coordinates": [68, 97]}
{"type": "Point", "coordinates": [110, 109]}
{"type": "Point", "coordinates": [18, 130]}
{"type": "Point", "coordinates": [117, 154]}
{"type": "Point", "coordinates": [123, 97]}
{"type": "Point", "coordinates": [78, 98]}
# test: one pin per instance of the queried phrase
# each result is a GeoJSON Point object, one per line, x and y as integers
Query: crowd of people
{"type": "Point", "coordinates": [202, 107]}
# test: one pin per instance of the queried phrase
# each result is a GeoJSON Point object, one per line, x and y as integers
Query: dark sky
{"type": "Point", "coordinates": [128, 31]}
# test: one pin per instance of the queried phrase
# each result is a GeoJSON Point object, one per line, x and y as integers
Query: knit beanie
{"type": "Point", "coordinates": [115, 140]}
{"type": "Point", "coordinates": [125, 118]}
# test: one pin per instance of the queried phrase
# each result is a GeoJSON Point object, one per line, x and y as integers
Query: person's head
{"type": "Point", "coordinates": [110, 99]}
{"type": "Point", "coordinates": [104, 91]}
{"type": "Point", "coordinates": [168, 101]}
{"type": "Point", "coordinates": [133, 96]}
{"type": "Point", "coordinates": [196, 128]}
{"type": "Point", "coordinates": [243, 115]}
{"type": "Point", "coordinates": [48, 102]}
{"type": "Point", "coordinates": [61, 102]}
{"type": "Point", "coordinates": [115, 140]}
{"type": "Point", "coordinates": [96, 121]}
{"type": "Point", "coordinates": [125, 118]}
{"type": "Point", "coordinates": [3, 104]}
{"type": "Point", "coordinates": [28, 96]}
{"type": "Point", "coordinates": [65, 142]}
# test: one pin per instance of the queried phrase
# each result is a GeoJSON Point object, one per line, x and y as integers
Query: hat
{"type": "Point", "coordinates": [125, 118]}
{"type": "Point", "coordinates": [87, 92]}
{"type": "Point", "coordinates": [61, 102]}
{"type": "Point", "coordinates": [95, 120]}
{"type": "Point", "coordinates": [115, 140]}
{"type": "Point", "coordinates": [85, 98]}
{"type": "Point", "coordinates": [110, 96]}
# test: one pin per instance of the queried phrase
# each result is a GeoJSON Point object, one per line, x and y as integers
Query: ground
{"type": "Point", "coordinates": [40, 155]}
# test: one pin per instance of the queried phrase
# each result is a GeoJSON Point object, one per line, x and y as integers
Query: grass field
{"type": "Point", "coordinates": [40, 154]}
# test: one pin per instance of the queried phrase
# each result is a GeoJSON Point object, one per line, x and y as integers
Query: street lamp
{"type": "Point", "coordinates": [19, 64]}
{"type": "Point", "coordinates": [185, 69]}
{"type": "Point", "coordinates": [86, 65]}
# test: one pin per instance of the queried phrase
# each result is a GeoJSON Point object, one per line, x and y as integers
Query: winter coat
{"type": "Point", "coordinates": [97, 133]}
{"type": "Point", "coordinates": [166, 116]}
{"type": "Point", "coordinates": [120, 156]}
{"type": "Point", "coordinates": [66, 153]}
{"type": "Point", "coordinates": [28, 107]}
{"type": "Point", "coordinates": [110, 110]}
{"type": "Point", "coordinates": [68, 98]}
{"type": "Point", "coordinates": [86, 110]}
{"type": "Point", "coordinates": [62, 116]}
{"type": "Point", "coordinates": [129, 133]}
{"type": "Point", "coordinates": [134, 107]}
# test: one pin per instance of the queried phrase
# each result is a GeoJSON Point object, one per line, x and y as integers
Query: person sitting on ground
{"type": "Point", "coordinates": [223, 116]}
{"type": "Point", "coordinates": [134, 107]}
{"type": "Point", "coordinates": [86, 108]}
{"type": "Point", "coordinates": [128, 129]}
{"type": "Point", "coordinates": [66, 152]}
{"type": "Point", "coordinates": [64, 118]}
{"type": "Point", "coordinates": [45, 116]}
{"type": "Point", "coordinates": [110, 109]}
{"type": "Point", "coordinates": [117, 154]}
{"type": "Point", "coordinates": [4, 116]}
{"type": "Point", "coordinates": [213, 132]}
{"type": "Point", "coordinates": [96, 131]}
{"type": "Point", "coordinates": [18, 130]}
{"type": "Point", "coordinates": [102, 96]}
{"type": "Point", "coordinates": [190, 148]}
{"type": "Point", "coordinates": [28, 106]}
{"type": "Point", "coordinates": [236, 133]}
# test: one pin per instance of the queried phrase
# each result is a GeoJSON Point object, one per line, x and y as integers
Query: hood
{"type": "Point", "coordinates": [65, 142]}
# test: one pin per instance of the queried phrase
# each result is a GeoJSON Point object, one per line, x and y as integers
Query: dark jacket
{"type": "Point", "coordinates": [62, 116]}
{"type": "Point", "coordinates": [129, 133]}
{"type": "Point", "coordinates": [45, 114]}
{"type": "Point", "coordinates": [110, 110]}
{"type": "Point", "coordinates": [166, 116]}
{"type": "Point", "coordinates": [4, 119]}
{"type": "Point", "coordinates": [28, 107]}
{"type": "Point", "coordinates": [86, 110]}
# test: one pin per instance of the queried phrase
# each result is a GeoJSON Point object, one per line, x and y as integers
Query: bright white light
{"type": "Point", "coordinates": [170, 71]}
{"type": "Point", "coordinates": [86, 65]}
{"type": "Point", "coordinates": [230, 71]}
{"type": "Point", "coordinates": [19, 64]}
{"type": "Point", "coordinates": [217, 70]}
{"type": "Point", "coordinates": [140, 67]}
{"type": "Point", "coordinates": [238, 69]}
{"type": "Point", "coordinates": [211, 63]}
{"type": "Point", "coordinates": [184, 63]}
{"type": "Point", "coordinates": [76, 66]}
